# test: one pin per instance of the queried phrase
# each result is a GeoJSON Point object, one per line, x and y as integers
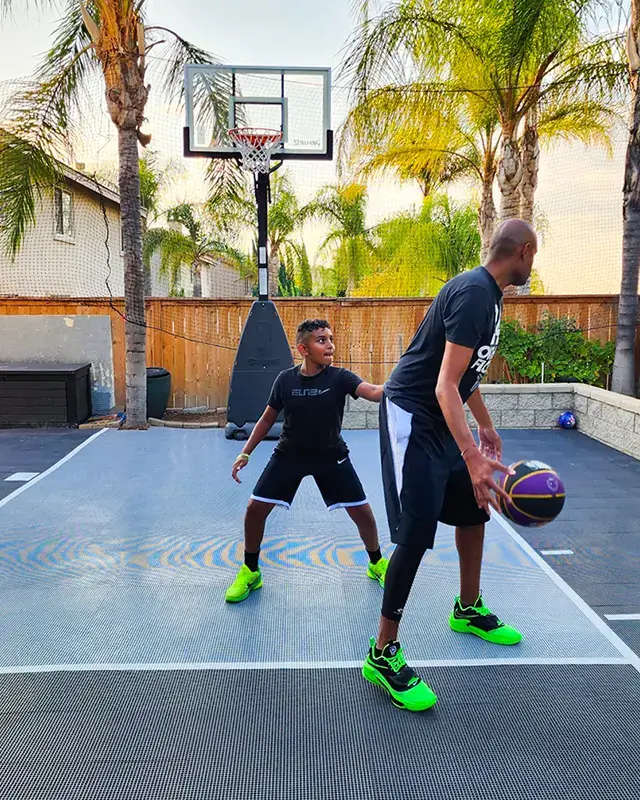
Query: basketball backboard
{"type": "Point", "coordinates": [294, 100]}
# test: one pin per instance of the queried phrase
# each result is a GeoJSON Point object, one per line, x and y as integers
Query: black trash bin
{"type": "Point", "coordinates": [158, 391]}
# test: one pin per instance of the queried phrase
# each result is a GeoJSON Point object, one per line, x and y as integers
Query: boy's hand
{"type": "Point", "coordinates": [240, 463]}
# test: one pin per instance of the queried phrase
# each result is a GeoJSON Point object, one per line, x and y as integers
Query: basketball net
{"type": "Point", "coordinates": [256, 146]}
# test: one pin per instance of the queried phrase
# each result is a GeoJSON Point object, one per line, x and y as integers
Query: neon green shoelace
{"type": "Point", "coordinates": [398, 661]}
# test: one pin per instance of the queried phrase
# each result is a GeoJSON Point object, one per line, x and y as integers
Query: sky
{"type": "Point", "coordinates": [579, 191]}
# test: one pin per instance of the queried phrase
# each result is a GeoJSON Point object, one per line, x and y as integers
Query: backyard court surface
{"type": "Point", "coordinates": [124, 675]}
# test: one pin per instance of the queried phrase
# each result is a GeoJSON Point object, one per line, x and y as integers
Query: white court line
{"type": "Point", "coordinates": [625, 651]}
{"type": "Point", "coordinates": [622, 617]}
{"type": "Point", "coordinates": [51, 469]}
{"type": "Point", "coordinates": [556, 552]}
{"type": "Point", "coordinates": [21, 477]}
{"type": "Point", "coordinates": [230, 666]}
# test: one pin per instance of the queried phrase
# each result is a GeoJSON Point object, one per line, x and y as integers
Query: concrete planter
{"type": "Point", "coordinates": [610, 418]}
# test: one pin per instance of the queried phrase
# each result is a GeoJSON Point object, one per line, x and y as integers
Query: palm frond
{"type": "Point", "coordinates": [598, 68]}
{"type": "Point", "coordinates": [40, 116]}
{"type": "Point", "coordinates": [185, 215]}
{"type": "Point", "coordinates": [379, 48]}
{"type": "Point", "coordinates": [43, 110]}
{"type": "Point", "coordinates": [26, 172]}
{"type": "Point", "coordinates": [230, 205]}
{"type": "Point", "coordinates": [7, 7]}
{"type": "Point", "coordinates": [176, 252]}
{"type": "Point", "coordinates": [210, 92]}
{"type": "Point", "coordinates": [152, 242]}
{"type": "Point", "coordinates": [586, 121]}
{"type": "Point", "coordinates": [176, 52]}
{"type": "Point", "coordinates": [228, 255]}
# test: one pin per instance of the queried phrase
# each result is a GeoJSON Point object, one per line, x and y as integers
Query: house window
{"type": "Point", "coordinates": [63, 202]}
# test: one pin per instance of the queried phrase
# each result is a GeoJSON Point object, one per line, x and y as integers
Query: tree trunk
{"type": "Point", "coordinates": [274, 269]}
{"type": "Point", "coordinates": [135, 330]}
{"type": "Point", "coordinates": [196, 274]}
{"type": "Point", "coordinates": [487, 212]}
{"type": "Point", "coordinates": [624, 378]}
{"type": "Point", "coordinates": [529, 182]}
{"type": "Point", "coordinates": [425, 181]}
{"type": "Point", "coordinates": [509, 176]}
{"type": "Point", "coordinates": [146, 268]}
{"type": "Point", "coordinates": [530, 165]}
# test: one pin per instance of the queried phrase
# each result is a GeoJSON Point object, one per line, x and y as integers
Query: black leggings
{"type": "Point", "coordinates": [399, 578]}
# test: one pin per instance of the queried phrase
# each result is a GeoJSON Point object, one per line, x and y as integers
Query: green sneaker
{"type": "Point", "coordinates": [246, 582]}
{"type": "Point", "coordinates": [378, 570]}
{"type": "Point", "coordinates": [478, 620]}
{"type": "Point", "coordinates": [389, 669]}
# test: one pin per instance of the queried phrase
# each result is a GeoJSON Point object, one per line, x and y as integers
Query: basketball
{"type": "Point", "coordinates": [567, 420]}
{"type": "Point", "coordinates": [536, 494]}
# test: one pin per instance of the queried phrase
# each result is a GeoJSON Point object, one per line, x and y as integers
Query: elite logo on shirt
{"type": "Point", "coordinates": [308, 392]}
{"type": "Point", "coordinates": [485, 354]}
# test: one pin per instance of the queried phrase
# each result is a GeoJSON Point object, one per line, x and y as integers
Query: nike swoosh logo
{"type": "Point", "coordinates": [323, 391]}
{"type": "Point", "coordinates": [343, 460]}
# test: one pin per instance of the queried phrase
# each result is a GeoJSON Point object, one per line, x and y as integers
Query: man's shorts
{"type": "Point", "coordinates": [425, 478]}
{"type": "Point", "coordinates": [336, 479]}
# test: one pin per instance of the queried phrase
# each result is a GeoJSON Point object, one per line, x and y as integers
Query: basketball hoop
{"type": "Point", "coordinates": [256, 146]}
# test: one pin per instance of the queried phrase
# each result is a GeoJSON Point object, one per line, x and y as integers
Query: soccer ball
{"type": "Point", "coordinates": [567, 420]}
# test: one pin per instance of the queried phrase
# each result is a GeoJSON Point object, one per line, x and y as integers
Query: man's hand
{"type": "Point", "coordinates": [240, 463]}
{"type": "Point", "coordinates": [490, 443]}
{"type": "Point", "coordinates": [485, 487]}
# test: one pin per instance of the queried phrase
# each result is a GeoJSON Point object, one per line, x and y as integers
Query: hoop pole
{"type": "Point", "coordinates": [262, 197]}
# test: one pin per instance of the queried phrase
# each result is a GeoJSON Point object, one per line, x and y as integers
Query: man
{"type": "Point", "coordinates": [433, 470]}
{"type": "Point", "coordinates": [313, 397]}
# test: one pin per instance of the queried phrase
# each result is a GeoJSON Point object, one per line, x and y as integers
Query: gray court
{"type": "Point", "coordinates": [123, 674]}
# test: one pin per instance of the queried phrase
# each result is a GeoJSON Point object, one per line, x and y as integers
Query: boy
{"type": "Point", "coordinates": [313, 397]}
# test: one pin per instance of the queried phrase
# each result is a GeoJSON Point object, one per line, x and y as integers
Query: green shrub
{"type": "Point", "coordinates": [561, 346]}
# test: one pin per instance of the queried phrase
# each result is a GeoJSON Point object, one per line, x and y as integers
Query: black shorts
{"type": "Point", "coordinates": [336, 479]}
{"type": "Point", "coordinates": [425, 478]}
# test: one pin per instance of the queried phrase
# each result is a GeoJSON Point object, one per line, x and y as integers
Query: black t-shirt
{"type": "Point", "coordinates": [313, 410]}
{"type": "Point", "coordinates": [467, 311]}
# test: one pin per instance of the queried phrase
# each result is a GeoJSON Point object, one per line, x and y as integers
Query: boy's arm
{"type": "Point", "coordinates": [369, 391]}
{"type": "Point", "coordinates": [275, 404]}
{"type": "Point", "coordinates": [356, 387]}
{"type": "Point", "coordinates": [261, 429]}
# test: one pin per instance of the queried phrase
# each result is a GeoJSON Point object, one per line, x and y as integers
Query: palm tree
{"type": "Point", "coordinates": [111, 38]}
{"type": "Point", "coordinates": [237, 209]}
{"type": "Point", "coordinates": [197, 248]}
{"type": "Point", "coordinates": [428, 137]}
{"type": "Point", "coordinates": [624, 377]}
{"type": "Point", "coordinates": [419, 251]}
{"type": "Point", "coordinates": [505, 56]}
{"type": "Point", "coordinates": [296, 268]}
{"type": "Point", "coordinates": [393, 132]}
{"type": "Point", "coordinates": [349, 240]}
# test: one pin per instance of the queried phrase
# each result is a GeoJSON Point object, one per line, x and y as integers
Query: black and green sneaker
{"type": "Point", "coordinates": [389, 669]}
{"type": "Point", "coordinates": [480, 621]}
{"type": "Point", "coordinates": [246, 582]}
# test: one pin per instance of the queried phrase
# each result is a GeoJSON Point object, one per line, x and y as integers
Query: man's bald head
{"type": "Point", "coordinates": [509, 237]}
{"type": "Point", "coordinates": [511, 253]}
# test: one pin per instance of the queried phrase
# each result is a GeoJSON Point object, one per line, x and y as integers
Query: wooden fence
{"type": "Point", "coordinates": [196, 339]}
